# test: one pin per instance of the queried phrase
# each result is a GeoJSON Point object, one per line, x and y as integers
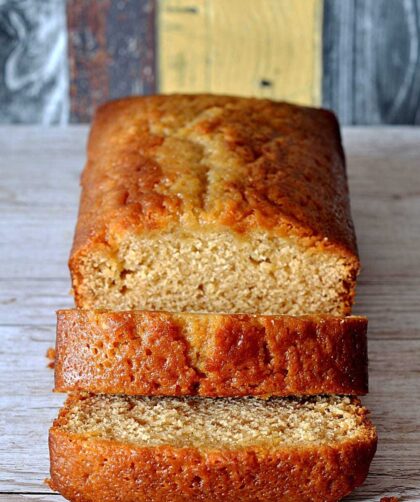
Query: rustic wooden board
{"type": "Point", "coordinates": [38, 202]}
{"type": "Point", "coordinates": [269, 48]}
{"type": "Point", "coordinates": [371, 60]}
{"type": "Point", "coordinates": [359, 57]}
{"type": "Point", "coordinates": [27, 497]}
{"type": "Point", "coordinates": [111, 52]}
{"type": "Point", "coordinates": [33, 204]}
{"type": "Point", "coordinates": [33, 62]}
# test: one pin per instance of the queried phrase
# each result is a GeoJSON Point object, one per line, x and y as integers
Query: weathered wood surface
{"type": "Point", "coordinates": [269, 48]}
{"type": "Point", "coordinates": [111, 52]}
{"type": "Point", "coordinates": [359, 57]}
{"type": "Point", "coordinates": [33, 62]}
{"type": "Point", "coordinates": [38, 204]}
{"type": "Point", "coordinates": [371, 60]}
{"type": "Point", "coordinates": [27, 497]}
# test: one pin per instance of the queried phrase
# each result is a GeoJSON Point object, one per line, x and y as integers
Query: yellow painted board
{"type": "Point", "coordinates": [270, 48]}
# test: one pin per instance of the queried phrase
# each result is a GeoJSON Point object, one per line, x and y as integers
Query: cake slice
{"type": "Point", "coordinates": [126, 449]}
{"type": "Point", "coordinates": [162, 353]}
{"type": "Point", "coordinates": [207, 203]}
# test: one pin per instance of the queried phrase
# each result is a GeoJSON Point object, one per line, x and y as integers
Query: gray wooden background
{"type": "Point", "coordinates": [58, 57]}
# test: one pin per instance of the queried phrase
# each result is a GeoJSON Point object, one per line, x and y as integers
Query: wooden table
{"type": "Point", "coordinates": [38, 199]}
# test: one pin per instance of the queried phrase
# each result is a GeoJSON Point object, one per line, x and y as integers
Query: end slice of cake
{"type": "Point", "coordinates": [111, 448]}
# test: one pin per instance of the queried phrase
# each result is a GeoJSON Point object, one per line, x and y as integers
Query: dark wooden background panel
{"type": "Point", "coordinates": [33, 62]}
{"type": "Point", "coordinates": [371, 60]}
{"type": "Point", "coordinates": [111, 52]}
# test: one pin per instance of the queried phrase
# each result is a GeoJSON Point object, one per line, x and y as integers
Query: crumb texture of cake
{"type": "Point", "coordinates": [121, 448]}
{"type": "Point", "coordinates": [211, 203]}
{"type": "Point", "coordinates": [208, 424]}
{"type": "Point", "coordinates": [161, 353]}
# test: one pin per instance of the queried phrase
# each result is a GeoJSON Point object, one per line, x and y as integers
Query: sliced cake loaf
{"type": "Point", "coordinates": [115, 448]}
{"type": "Point", "coordinates": [207, 226]}
{"type": "Point", "coordinates": [160, 353]}
{"type": "Point", "coordinates": [214, 204]}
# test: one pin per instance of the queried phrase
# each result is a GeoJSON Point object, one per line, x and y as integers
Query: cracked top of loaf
{"type": "Point", "coordinates": [213, 162]}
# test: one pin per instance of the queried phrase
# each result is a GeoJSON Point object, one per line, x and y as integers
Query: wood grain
{"type": "Point", "coordinates": [27, 408]}
{"type": "Point", "coordinates": [38, 200]}
{"type": "Point", "coordinates": [111, 52]}
{"type": "Point", "coordinates": [269, 48]}
{"type": "Point", "coordinates": [371, 61]}
{"type": "Point", "coordinates": [34, 497]}
{"type": "Point", "coordinates": [33, 62]}
{"type": "Point", "coordinates": [358, 57]}
{"type": "Point", "coordinates": [37, 204]}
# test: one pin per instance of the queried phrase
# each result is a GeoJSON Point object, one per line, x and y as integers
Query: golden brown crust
{"type": "Point", "coordinates": [87, 469]}
{"type": "Point", "coordinates": [159, 353]}
{"type": "Point", "coordinates": [243, 164]}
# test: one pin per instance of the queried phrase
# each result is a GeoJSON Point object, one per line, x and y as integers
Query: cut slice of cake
{"type": "Point", "coordinates": [162, 353]}
{"type": "Point", "coordinates": [126, 449]}
{"type": "Point", "coordinates": [207, 203]}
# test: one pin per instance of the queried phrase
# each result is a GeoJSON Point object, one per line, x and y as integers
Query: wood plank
{"type": "Point", "coordinates": [34, 497]}
{"type": "Point", "coordinates": [111, 51]}
{"type": "Point", "coordinates": [33, 62]}
{"type": "Point", "coordinates": [27, 408]}
{"type": "Point", "coordinates": [394, 401]}
{"type": "Point", "coordinates": [182, 58]}
{"type": "Point", "coordinates": [46, 234]}
{"type": "Point", "coordinates": [42, 165]}
{"type": "Point", "coordinates": [269, 48]}
{"type": "Point", "coordinates": [385, 186]}
{"type": "Point", "coordinates": [371, 61]}
{"type": "Point", "coordinates": [33, 302]}
{"type": "Point", "coordinates": [39, 199]}
{"type": "Point", "coordinates": [391, 304]}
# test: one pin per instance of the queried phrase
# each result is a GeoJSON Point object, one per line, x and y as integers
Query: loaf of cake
{"type": "Point", "coordinates": [214, 204]}
{"type": "Point", "coordinates": [213, 267]}
{"type": "Point", "coordinates": [161, 353]}
{"type": "Point", "coordinates": [116, 448]}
